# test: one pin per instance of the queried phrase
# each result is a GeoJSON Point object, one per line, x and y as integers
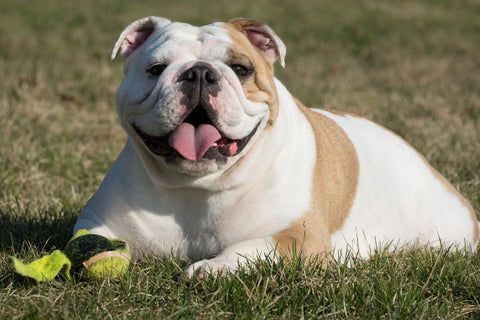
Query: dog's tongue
{"type": "Point", "coordinates": [191, 142]}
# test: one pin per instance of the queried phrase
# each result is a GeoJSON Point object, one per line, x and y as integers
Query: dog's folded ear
{"type": "Point", "coordinates": [263, 38]}
{"type": "Point", "coordinates": [135, 35]}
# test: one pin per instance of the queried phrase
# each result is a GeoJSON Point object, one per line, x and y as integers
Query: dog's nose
{"type": "Point", "coordinates": [199, 73]}
{"type": "Point", "coordinates": [199, 83]}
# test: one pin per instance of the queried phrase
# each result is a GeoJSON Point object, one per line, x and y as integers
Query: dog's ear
{"type": "Point", "coordinates": [135, 35]}
{"type": "Point", "coordinates": [263, 38]}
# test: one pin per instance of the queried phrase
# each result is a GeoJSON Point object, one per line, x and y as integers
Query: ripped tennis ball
{"type": "Point", "coordinates": [86, 254]}
{"type": "Point", "coordinates": [97, 256]}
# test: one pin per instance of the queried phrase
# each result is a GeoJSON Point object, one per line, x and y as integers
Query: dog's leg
{"type": "Point", "coordinates": [232, 257]}
{"type": "Point", "coordinates": [88, 220]}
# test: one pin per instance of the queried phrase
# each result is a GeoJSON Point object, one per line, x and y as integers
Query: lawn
{"type": "Point", "coordinates": [413, 66]}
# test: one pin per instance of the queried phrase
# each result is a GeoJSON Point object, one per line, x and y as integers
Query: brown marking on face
{"type": "Point", "coordinates": [335, 180]}
{"type": "Point", "coordinates": [259, 86]}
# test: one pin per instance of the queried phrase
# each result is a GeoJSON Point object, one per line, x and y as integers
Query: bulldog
{"type": "Point", "coordinates": [223, 165]}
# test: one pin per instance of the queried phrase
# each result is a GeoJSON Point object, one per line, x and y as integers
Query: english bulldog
{"type": "Point", "coordinates": [223, 165]}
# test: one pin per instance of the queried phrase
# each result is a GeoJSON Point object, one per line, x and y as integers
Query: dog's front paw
{"type": "Point", "coordinates": [212, 267]}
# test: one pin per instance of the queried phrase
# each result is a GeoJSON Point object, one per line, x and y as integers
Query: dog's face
{"type": "Point", "coordinates": [195, 99]}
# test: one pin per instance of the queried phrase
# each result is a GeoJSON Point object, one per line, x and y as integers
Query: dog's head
{"type": "Point", "coordinates": [195, 99]}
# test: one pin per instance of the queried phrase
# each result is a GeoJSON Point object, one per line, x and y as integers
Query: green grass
{"type": "Point", "coordinates": [412, 66]}
{"type": "Point", "coordinates": [419, 284]}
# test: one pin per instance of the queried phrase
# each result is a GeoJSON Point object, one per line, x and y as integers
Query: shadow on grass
{"type": "Point", "coordinates": [40, 231]}
{"type": "Point", "coordinates": [29, 235]}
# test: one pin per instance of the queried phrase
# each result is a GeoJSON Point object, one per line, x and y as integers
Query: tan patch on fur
{"type": "Point", "coordinates": [344, 113]}
{"type": "Point", "coordinates": [334, 187]}
{"type": "Point", "coordinates": [260, 86]}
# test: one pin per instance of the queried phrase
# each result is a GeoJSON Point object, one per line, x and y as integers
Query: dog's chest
{"type": "Point", "coordinates": [184, 223]}
{"type": "Point", "coordinates": [200, 224]}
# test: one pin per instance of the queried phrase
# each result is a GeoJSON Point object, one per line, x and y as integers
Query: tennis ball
{"type": "Point", "coordinates": [100, 257]}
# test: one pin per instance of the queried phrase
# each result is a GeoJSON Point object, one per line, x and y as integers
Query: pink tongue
{"type": "Point", "coordinates": [191, 142]}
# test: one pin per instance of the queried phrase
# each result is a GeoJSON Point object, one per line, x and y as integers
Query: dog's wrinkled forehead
{"type": "Point", "coordinates": [157, 38]}
{"type": "Point", "coordinates": [181, 41]}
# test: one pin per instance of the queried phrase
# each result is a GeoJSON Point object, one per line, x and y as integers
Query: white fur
{"type": "Point", "coordinates": [399, 200]}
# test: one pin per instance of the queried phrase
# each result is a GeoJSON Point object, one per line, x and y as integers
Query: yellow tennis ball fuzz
{"type": "Point", "coordinates": [100, 257]}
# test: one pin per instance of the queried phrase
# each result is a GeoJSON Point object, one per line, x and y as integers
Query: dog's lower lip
{"type": "Point", "coordinates": [161, 147]}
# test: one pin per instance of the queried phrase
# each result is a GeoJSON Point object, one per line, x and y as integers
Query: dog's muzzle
{"type": "Point", "coordinates": [196, 137]}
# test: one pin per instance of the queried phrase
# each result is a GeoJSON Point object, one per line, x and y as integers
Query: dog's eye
{"type": "Point", "coordinates": [156, 69]}
{"type": "Point", "coordinates": [240, 70]}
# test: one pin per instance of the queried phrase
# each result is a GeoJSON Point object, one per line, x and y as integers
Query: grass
{"type": "Point", "coordinates": [412, 66]}
{"type": "Point", "coordinates": [417, 284]}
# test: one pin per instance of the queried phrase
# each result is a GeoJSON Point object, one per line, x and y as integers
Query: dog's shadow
{"type": "Point", "coordinates": [40, 232]}
{"type": "Point", "coordinates": [29, 235]}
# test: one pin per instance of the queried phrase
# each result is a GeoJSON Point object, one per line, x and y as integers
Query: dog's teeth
{"type": "Point", "coordinates": [214, 145]}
